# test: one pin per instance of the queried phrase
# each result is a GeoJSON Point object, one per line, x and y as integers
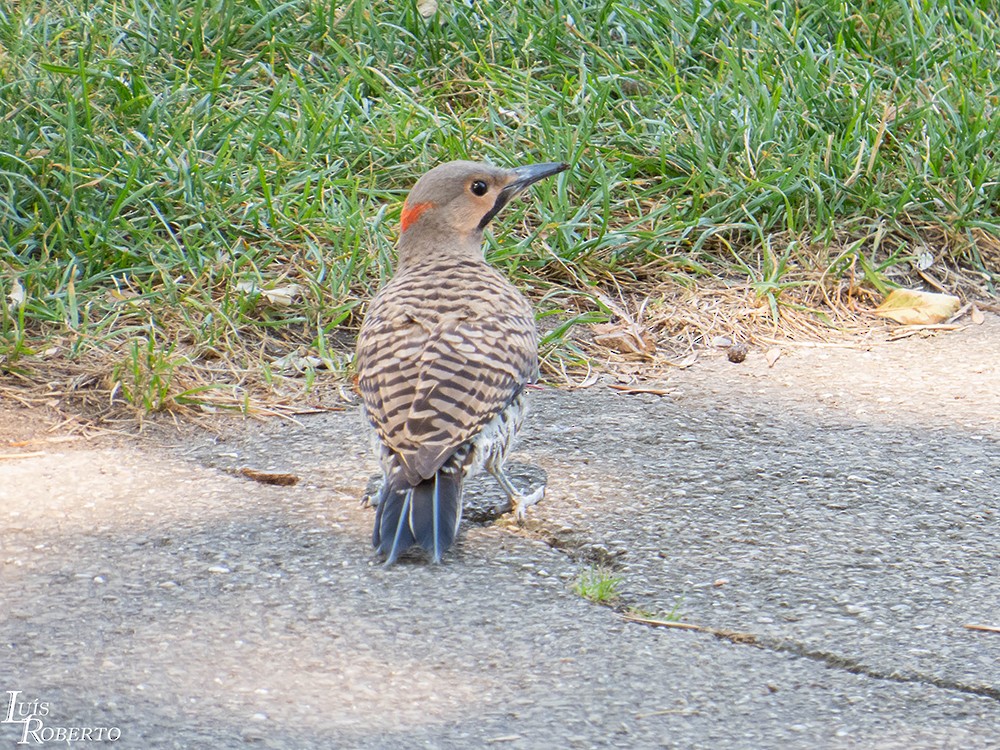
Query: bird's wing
{"type": "Point", "coordinates": [390, 345]}
{"type": "Point", "coordinates": [429, 387]}
{"type": "Point", "coordinates": [470, 370]}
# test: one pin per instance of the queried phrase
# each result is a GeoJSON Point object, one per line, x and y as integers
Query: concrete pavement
{"type": "Point", "coordinates": [835, 513]}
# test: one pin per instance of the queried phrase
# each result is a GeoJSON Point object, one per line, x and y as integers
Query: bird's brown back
{"type": "Point", "coordinates": [445, 346]}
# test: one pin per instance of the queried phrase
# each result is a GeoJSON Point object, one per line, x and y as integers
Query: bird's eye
{"type": "Point", "coordinates": [479, 187]}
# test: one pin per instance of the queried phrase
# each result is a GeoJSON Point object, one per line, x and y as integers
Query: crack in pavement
{"type": "Point", "coordinates": [855, 666]}
{"type": "Point", "coordinates": [483, 508]}
{"type": "Point", "coordinates": [578, 549]}
{"type": "Point", "coordinates": [830, 659]}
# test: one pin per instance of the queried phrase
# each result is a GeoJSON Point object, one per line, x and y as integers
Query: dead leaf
{"type": "Point", "coordinates": [625, 338]}
{"type": "Point", "coordinates": [772, 355]}
{"type": "Point", "coordinates": [684, 363]}
{"type": "Point", "coordinates": [297, 361]}
{"type": "Point", "coordinates": [591, 378]}
{"type": "Point", "coordinates": [912, 307]}
{"type": "Point", "coordinates": [427, 8]}
{"type": "Point", "coordinates": [16, 296]}
{"type": "Point", "coordinates": [282, 296]}
{"type": "Point", "coordinates": [977, 316]}
{"type": "Point", "coordinates": [269, 477]}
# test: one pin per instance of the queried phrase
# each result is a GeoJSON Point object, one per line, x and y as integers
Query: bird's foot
{"type": "Point", "coordinates": [373, 492]}
{"type": "Point", "coordinates": [520, 503]}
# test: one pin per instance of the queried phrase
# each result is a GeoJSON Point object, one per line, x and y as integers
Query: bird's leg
{"type": "Point", "coordinates": [518, 500]}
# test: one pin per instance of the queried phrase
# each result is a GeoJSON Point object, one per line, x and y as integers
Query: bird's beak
{"type": "Point", "coordinates": [529, 174]}
{"type": "Point", "coordinates": [524, 176]}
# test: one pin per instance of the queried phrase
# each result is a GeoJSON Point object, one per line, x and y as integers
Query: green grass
{"type": "Point", "coordinates": [599, 585]}
{"type": "Point", "coordinates": [164, 161]}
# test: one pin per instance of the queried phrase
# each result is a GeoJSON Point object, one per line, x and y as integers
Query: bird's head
{"type": "Point", "coordinates": [458, 199]}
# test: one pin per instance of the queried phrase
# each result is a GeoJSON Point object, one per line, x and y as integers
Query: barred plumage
{"type": "Point", "coordinates": [441, 352]}
{"type": "Point", "coordinates": [443, 357]}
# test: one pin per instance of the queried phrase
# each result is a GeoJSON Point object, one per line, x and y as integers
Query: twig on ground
{"type": "Point", "coordinates": [630, 389]}
{"type": "Point", "coordinates": [983, 628]}
{"type": "Point", "coordinates": [653, 623]}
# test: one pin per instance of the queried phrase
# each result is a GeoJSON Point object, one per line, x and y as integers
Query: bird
{"type": "Point", "coordinates": [444, 354]}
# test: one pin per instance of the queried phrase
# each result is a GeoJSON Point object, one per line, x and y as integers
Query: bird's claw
{"type": "Point", "coordinates": [373, 492]}
{"type": "Point", "coordinates": [520, 504]}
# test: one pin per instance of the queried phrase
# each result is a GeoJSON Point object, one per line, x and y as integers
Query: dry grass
{"type": "Point", "coordinates": [659, 320]}
{"type": "Point", "coordinates": [99, 392]}
{"type": "Point", "coordinates": [653, 322]}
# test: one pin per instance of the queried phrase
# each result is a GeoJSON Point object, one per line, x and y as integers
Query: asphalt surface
{"type": "Point", "coordinates": [831, 522]}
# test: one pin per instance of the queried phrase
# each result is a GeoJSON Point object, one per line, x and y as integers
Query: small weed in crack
{"type": "Point", "coordinates": [599, 585]}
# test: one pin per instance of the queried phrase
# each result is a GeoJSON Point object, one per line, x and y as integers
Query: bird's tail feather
{"type": "Point", "coordinates": [427, 514]}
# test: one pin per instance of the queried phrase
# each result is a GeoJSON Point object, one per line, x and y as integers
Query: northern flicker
{"type": "Point", "coordinates": [443, 357]}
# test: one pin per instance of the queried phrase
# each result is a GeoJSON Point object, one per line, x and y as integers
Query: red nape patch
{"type": "Point", "coordinates": [411, 213]}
